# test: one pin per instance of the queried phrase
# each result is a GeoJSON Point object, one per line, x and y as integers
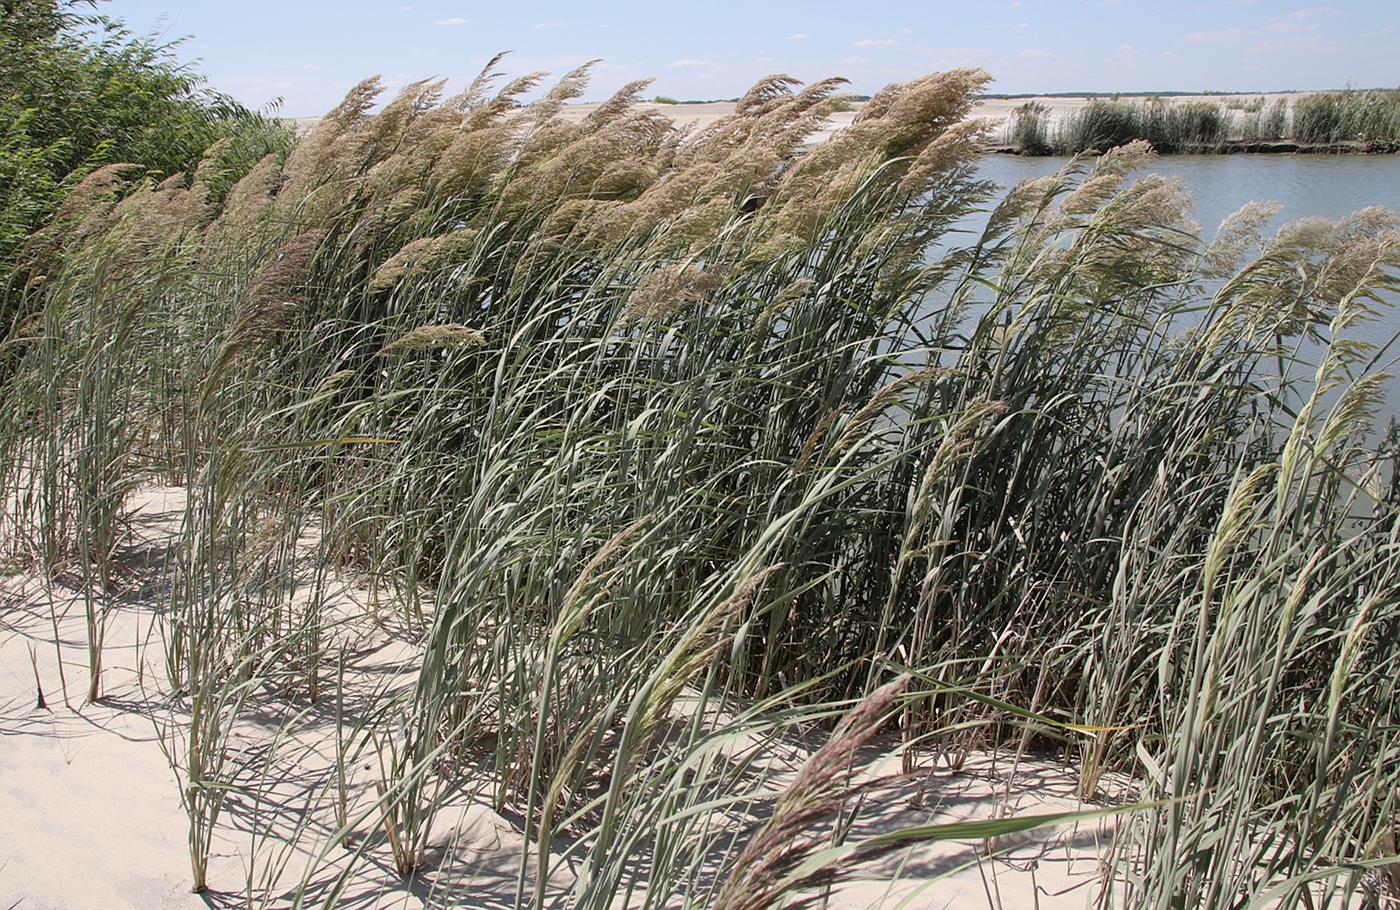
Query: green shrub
{"type": "Point", "coordinates": [78, 91]}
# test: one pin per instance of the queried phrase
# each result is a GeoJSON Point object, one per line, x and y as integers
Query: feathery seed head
{"type": "Point", "coordinates": [446, 337]}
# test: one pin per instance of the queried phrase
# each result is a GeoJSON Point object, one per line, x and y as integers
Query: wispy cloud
{"type": "Point", "coordinates": [686, 62]}
{"type": "Point", "coordinates": [875, 42]}
{"type": "Point", "coordinates": [800, 36]}
{"type": "Point", "coordinates": [1034, 53]}
{"type": "Point", "coordinates": [551, 24]}
{"type": "Point", "coordinates": [1127, 55]}
{"type": "Point", "coordinates": [1299, 22]}
{"type": "Point", "coordinates": [448, 23]}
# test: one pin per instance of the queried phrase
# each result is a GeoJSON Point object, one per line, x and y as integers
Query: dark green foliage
{"type": "Point", "coordinates": [77, 91]}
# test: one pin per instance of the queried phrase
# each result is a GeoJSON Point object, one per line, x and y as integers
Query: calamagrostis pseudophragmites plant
{"type": "Point", "coordinates": [670, 446]}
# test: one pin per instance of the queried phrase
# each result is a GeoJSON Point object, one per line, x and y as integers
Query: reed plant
{"type": "Point", "coordinates": [1028, 129]}
{"type": "Point", "coordinates": [1350, 116]}
{"type": "Point", "coordinates": [1264, 124]}
{"type": "Point", "coordinates": [1169, 126]}
{"type": "Point", "coordinates": [1362, 118]}
{"type": "Point", "coordinates": [673, 446]}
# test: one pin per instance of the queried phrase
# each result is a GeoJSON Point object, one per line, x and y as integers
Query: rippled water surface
{"type": "Point", "coordinates": [1331, 186]}
{"type": "Point", "coordinates": [1303, 185]}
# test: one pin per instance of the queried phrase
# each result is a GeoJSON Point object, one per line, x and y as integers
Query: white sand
{"type": "Point", "coordinates": [90, 814]}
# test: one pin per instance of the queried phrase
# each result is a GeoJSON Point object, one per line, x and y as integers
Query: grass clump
{"type": "Point", "coordinates": [1367, 118]}
{"type": "Point", "coordinates": [667, 445]}
{"type": "Point", "coordinates": [1029, 129]}
{"type": "Point", "coordinates": [1351, 116]}
{"type": "Point", "coordinates": [1265, 123]}
{"type": "Point", "coordinates": [1169, 126]}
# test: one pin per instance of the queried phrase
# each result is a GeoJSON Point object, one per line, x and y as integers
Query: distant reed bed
{"type": "Point", "coordinates": [1348, 117]}
{"type": "Point", "coordinates": [667, 444]}
{"type": "Point", "coordinates": [1361, 118]}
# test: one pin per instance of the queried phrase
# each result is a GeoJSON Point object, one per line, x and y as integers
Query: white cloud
{"type": "Point", "coordinates": [875, 42]}
{"type": "Point", "coordinates": [552, 24]}
{"type": "Point", "coordinates": [1034, 53]}
{"type": "Point", "coordinates": [688, 62]}
{"type": "Point", "coordinates": [800, 36]}
{"type": "Point", "coordinates": [1299, 22]}
{"type": "Point", "coordinates": [1314, 12]}
{"type": "Point", "coordinates": [1126, 55]}
{"type": "Point", "coordinates": [448, 23]}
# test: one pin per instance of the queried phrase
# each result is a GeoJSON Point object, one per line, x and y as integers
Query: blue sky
{"type": "Point", "coordinates": [308, 52]}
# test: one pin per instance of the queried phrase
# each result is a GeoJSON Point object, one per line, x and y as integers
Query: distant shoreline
{"type": "Point", "coordinates": [997, 110]}
{"type": "Point", "coordinates": [1241, 148]}
{"type": "Point", "coordinates": [993, 106]}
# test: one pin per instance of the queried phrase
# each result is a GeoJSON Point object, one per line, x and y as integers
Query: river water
{"type": "Point", "coordinates": [1303, 185]}
{"type": "Point", "coordinates": [1330, 186]}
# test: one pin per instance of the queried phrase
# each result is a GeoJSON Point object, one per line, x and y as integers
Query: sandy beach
{"type": "Point", "coordinates": [94, 816]}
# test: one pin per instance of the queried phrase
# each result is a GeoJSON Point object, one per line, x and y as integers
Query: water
{"type": "Point", "coordinates": [1303, 186]}
{"type": "Point", "coordinates": [1331, 186]}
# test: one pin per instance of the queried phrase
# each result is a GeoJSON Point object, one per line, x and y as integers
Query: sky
{"type": "Point", "coordinates": [307, 53]}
